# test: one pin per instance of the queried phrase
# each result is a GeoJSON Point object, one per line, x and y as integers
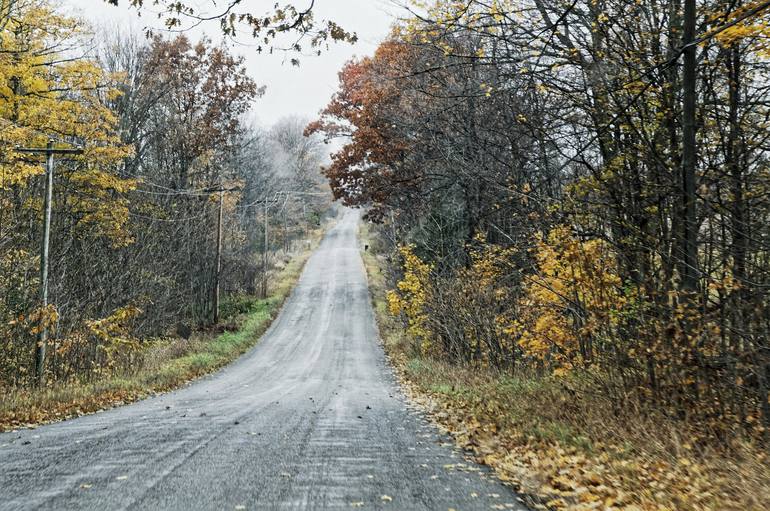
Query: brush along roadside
{"type": "Point", "coordinates": [562, 448]}
{"type": "Point", "coordinates": [165, 364]}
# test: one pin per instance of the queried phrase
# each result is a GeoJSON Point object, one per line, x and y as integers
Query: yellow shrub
{"type": "Point", "coordinates": [571, 301]}
{"type": "Point", "coordinates": [112, 335]}
{"type": "Point", "coordinates": [486, 288]}
{"type": "Point", "coordinates": [462, 316]}
{"type": "Point", "coordinates": [411, 294]}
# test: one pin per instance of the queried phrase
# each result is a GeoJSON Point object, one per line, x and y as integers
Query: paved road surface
{"type": "Point", "coordinates": [311, 418]}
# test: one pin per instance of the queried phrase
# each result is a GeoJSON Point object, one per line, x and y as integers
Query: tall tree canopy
{"type": "Point", "coordinates": [605, 161]}
{"type": "Point", "coordinates": [134, 249]}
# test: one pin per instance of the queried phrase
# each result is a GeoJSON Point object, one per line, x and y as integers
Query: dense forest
{"type": "Point", "coordinates": [577, 189]}
{"type": "Point", "coordinates": [171, 164]}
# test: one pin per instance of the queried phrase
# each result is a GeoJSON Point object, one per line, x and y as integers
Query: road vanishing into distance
{"type": "Point", "coordinates": [310, 418]}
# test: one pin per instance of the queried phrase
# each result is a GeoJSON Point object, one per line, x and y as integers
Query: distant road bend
{"type": "Point", "coordinates": [311, 418]}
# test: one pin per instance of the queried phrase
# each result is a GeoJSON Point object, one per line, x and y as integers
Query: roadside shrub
{"type": "Point", "coordinates": [571, 313]}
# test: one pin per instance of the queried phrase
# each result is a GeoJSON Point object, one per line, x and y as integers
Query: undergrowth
{"type": "Point", "coordinates": [166, 364]}
{"type": "Point", "coordinates": [561, 446]}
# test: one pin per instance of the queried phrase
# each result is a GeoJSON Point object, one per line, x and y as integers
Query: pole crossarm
{"type": "Point", "coordinates": [223, 189]}
{"type": "Point", "coordinates": [49, 150]}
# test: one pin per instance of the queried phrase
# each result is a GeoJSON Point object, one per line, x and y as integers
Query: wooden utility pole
{"type": "Point", "coordinates": [218, 270]}
{"type": "Point", "coordinates": [264, 254]}
{"type": "Point", "coordinates": [42, 341]}
{"type": "Point", "coordinates": [285, 226]}
{"type": "Point", "coordinates": [218, 257]}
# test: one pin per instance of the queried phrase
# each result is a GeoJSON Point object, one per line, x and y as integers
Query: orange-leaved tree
{"type": "Point", "coordinates": [368, 111]}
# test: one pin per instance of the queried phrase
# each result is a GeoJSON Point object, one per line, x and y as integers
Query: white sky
{"type": "Point", "coordinates": [291, 90]}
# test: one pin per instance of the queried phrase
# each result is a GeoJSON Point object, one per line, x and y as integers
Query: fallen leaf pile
{"type": "Point", "coordinates": [35, 414]}
{"type": "Point", "coordinates": [603, 477]}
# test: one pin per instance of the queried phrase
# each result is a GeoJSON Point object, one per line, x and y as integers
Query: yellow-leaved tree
{"type": "Point", "coordinates": [48, 89]}
{"type": "Point", "coordinates": [411, 296]}
{"type": "Point", "coordinates": [51, 89]}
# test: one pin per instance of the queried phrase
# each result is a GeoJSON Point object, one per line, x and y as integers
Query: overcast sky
{"type": "Point", "coordinates": [291, 90]}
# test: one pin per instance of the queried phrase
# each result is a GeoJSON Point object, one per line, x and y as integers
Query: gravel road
{"type": "Point", "coordinates": [311, 418]}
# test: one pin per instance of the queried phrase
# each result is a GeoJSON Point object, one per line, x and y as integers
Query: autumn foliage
{"type": "Point", "coordinates": [366, 171]}
{"type": "Point", "coordinates": [134, 217]}
{"type": "Point", "coordinates": [547, 212]}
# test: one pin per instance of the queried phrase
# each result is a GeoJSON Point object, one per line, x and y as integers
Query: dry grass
{"type": "Point", "coordinates": [166, 363]}
{"type": "Point", "coordinates": [565, 448]}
